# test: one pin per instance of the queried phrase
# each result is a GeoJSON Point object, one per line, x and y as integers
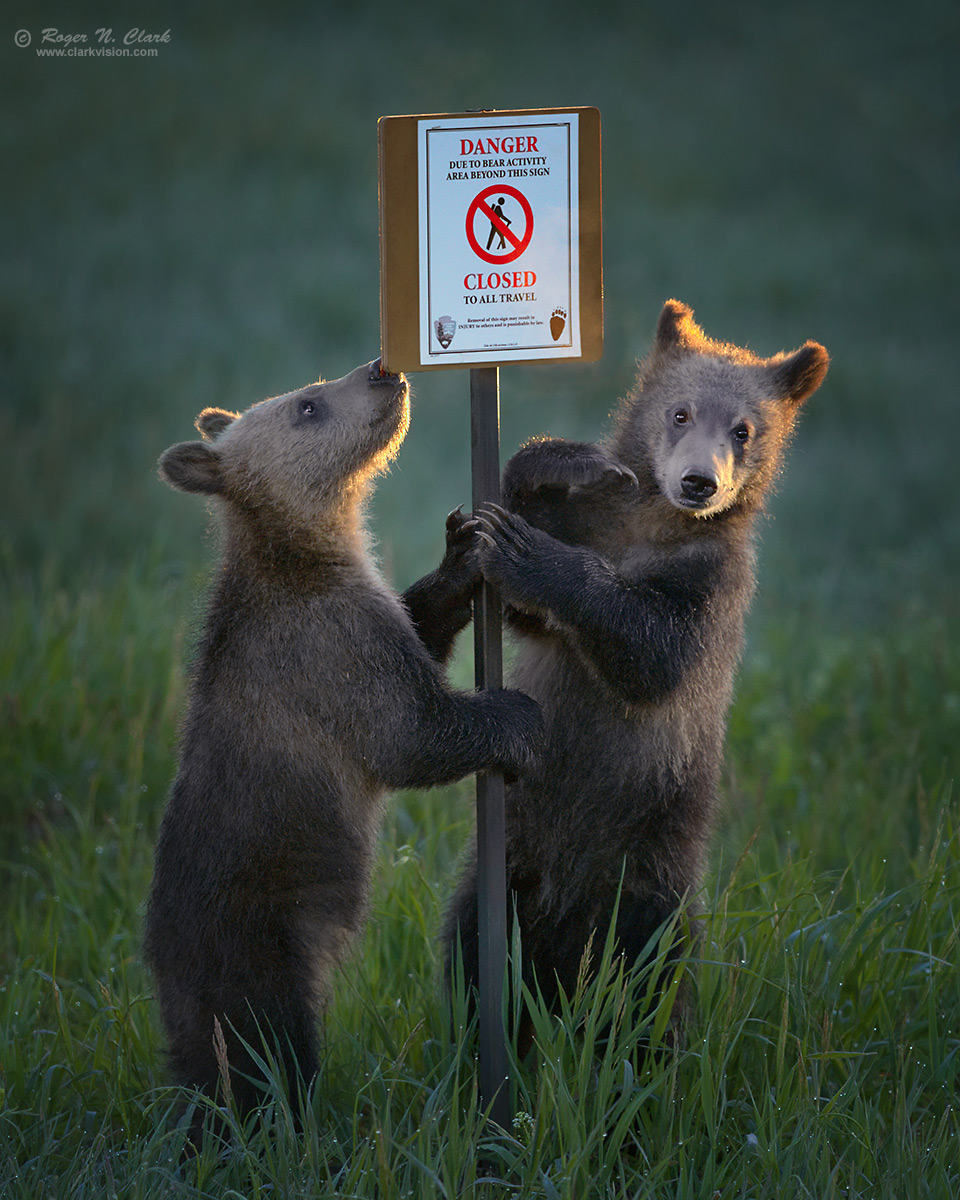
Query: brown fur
{"type": "Point", "coordinates": [311, 696]}
{"type": "Point", "coordinates": [627, 568]}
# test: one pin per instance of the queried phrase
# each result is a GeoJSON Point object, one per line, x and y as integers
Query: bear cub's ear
{"type": "Point", "coordinates": [798, 375]}
{"type": "Point", "coordinates": [213, 421]}
{"type": "Point", "coordinates": [192, 467]}
{"type": "Point", "coordinates": [676, 327]}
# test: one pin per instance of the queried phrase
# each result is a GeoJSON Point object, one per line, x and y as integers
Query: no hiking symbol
{"type": "Point", "coordinates": [508, 237]}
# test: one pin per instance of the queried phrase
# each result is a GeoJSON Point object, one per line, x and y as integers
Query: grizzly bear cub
{"type": "Point", "coordinates": [627, 569]}
{"type": "Point", "coordinates": [311, 695]}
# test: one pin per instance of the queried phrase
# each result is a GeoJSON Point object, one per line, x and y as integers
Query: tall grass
{"type": "Point", "coordinates": [202, 229]}
{"type": "Point", "coordinates": [819, 1057]}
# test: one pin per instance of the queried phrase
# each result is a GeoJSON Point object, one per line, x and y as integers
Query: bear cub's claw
{"type": "Point", "coordinates": [460, 565]}
{"type": "Point", "coordinates": [510, 545]}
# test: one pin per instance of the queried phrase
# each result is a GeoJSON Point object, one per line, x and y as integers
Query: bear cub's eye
{"type": "Point", "coordinates": [681, 417]}
{"type": "Point", "coordinates": [310, 410]}
{"type": "Point", "coordinates": [742, 433]}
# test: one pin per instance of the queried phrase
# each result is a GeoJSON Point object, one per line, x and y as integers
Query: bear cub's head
{"type": "Point", "coordinates": [710, 420]}
{"type": "Point", "coordinates": [297, 456]}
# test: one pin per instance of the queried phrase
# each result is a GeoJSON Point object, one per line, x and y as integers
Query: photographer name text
{"type": "Point", "coordinates": [104, 37]}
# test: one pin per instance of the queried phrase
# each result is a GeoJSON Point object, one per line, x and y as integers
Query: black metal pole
{"type": "Point", "coordinates": [491, 826]}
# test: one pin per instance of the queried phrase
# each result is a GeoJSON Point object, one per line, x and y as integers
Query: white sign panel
{"type": "Point", "coordinates": [499, 238]}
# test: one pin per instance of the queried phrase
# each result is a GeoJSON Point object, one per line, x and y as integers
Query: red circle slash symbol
{"type": "Point", "coordinates": [514, 244]}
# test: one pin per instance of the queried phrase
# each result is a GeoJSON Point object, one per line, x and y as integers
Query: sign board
{"type": "Point", "coordinates": [490, 238]}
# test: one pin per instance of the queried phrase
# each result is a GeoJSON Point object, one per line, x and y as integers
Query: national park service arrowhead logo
{"type": "Point", "coordinates": [445, 328]}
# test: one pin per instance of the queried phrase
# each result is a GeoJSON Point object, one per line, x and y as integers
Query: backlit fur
{"type": "Point", "coordinates": [311, 696]}
{"type": "Point", "coordinates": [627, 568]}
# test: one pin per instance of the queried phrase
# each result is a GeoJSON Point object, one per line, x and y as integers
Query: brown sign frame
{"type": "Point", "coordinates": [399, 239]}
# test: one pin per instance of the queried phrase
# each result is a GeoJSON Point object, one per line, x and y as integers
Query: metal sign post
{"type": "Point", "coordinates": [491, 823]}
{"type": "Point", "coordinates": [490, 253]}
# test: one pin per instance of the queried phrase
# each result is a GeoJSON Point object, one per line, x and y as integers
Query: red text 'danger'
{"type": "Point", "coordinates": [498, 145]}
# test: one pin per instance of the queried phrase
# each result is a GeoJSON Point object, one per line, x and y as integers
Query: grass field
{"type": "Point", "coordinates": [201, 228]}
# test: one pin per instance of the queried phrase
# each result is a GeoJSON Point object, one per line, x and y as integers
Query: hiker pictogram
{"type": "Point", "coordinates": [496, 228]}
{"type": "Point", "coordinates": [512, 233]}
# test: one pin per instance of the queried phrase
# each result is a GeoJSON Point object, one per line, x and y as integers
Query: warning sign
{"type": "Point", "coordinates": [503, 218]}
{"type": "Point", "coordinates": [499, 232]}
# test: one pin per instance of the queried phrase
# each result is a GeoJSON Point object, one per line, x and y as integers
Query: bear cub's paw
{"type": "Point", "coordinates": [517, 557]}
{"type": "Point", "coordinates": [460, 565]}
{"type": "Point", "coordinates": [557, 463]}
{"type": "Point", "coordinates": [524, 734]}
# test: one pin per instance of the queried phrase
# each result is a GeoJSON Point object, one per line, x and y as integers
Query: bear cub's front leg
{"type": "Point", "coordinates": [558, 463]}
{"type": "Point", "coordinates": [531, 568]}
{"type": "Point", "coordinates": [441, 603]}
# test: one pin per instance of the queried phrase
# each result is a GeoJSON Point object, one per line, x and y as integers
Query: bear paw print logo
{"type": "Point", "coordinates": [558, 322]}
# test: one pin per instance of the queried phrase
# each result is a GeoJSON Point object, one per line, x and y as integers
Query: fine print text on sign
{"type": "Point", "coordinates": [499, 238]}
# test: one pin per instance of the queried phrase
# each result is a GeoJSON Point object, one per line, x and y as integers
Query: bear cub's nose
{"type": "Point", "coordinates": [698, 487]}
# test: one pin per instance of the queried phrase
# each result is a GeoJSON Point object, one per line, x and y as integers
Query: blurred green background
{"type": "Point", "coordinates": [201, 228]}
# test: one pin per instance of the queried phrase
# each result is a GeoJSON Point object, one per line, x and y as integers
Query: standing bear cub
{"type": "Point", "coordinates": [311, 695]}
{"type": "Point", "coordinates": [627, 569]}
